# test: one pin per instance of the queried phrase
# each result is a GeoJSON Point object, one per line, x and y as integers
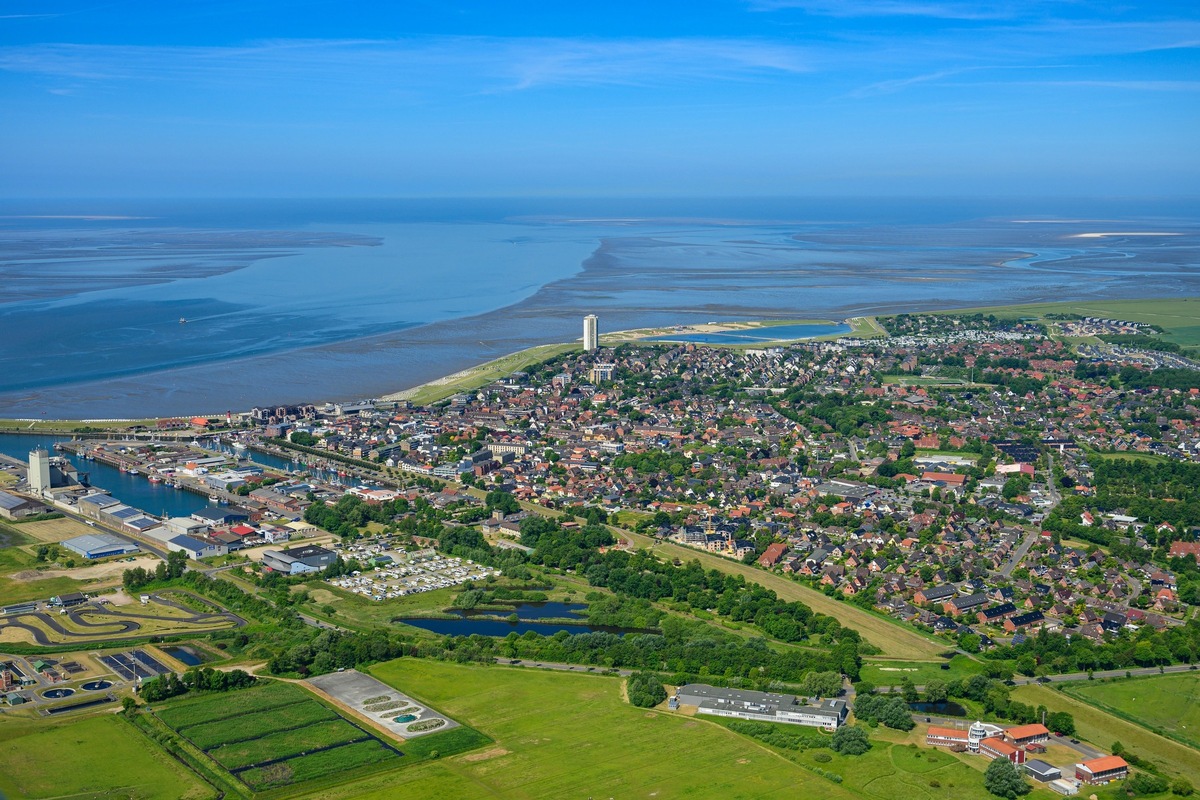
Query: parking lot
{"type": "Point", "coordinates": [401, 573]}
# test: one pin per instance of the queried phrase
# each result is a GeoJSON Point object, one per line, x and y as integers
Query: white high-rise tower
{"type": "Point", "coordinates": [591, 336]}
{"type": "Point", "coordinates": [39, 470]}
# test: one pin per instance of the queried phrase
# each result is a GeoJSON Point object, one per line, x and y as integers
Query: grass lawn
{"type": "Point", "coordinates": [96, 757]}
{"type": "Point", "coordinates": [894, 771]}
{"type": "Point", "coordinates": [890, 637]}
{"type": "Point", "coordinates": [892, 673]}
{"type": "Point", "coordinates": [1167, 704]}
{"type": "Point", "coordinates": [564, 735]}
{"type": "Point", "coordinates": [1102, 729]}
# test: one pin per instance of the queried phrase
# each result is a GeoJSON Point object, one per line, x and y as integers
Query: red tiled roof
{"type": "Point", "coordinates": [1104, 764]}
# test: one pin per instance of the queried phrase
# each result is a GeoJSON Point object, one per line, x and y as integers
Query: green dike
{"type": "Point", "coordinates": [567, 735]}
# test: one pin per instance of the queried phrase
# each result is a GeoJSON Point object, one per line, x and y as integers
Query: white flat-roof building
{"type": "Point", "coordinates": [761, 706]}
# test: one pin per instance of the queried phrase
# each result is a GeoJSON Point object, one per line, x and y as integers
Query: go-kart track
{"type": "Point", "coordinates": [95, 623]}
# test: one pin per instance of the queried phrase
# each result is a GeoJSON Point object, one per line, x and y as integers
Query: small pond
{"type": "Point", "coordinates": [466, 626]}
{"type": "Point", "coordinates": [405, 718]}
{"type": "Point", "coordinates": [526, 611]}
{"type": "Point", "coordinates": [187, 655]}
{"type": "Point", "coordinates": [945, 708]}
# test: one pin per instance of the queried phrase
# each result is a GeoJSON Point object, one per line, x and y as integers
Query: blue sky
{"type": "Point", "coordinates": [745, 97]}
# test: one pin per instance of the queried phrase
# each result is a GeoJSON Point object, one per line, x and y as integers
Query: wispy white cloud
{"type": "Point", "coordinates": [907, 8]}
{"type": "Point", "coordinates": [486, 64]}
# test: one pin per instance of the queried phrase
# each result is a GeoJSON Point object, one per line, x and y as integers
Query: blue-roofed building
{"type": "Point", "coordinates": [196, 548]}
{"type": "Point", "coordinates": [100, 545]}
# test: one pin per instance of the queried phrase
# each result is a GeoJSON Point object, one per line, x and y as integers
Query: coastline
{"type": "Point", "coordinates": [1180, 311]}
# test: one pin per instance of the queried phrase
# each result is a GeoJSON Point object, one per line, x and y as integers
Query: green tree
{"type": "Point", "coordinates": [850, 740]}
{"type": "Point", "coordinates": [1003, 780]}
{"type": "Point", "coordinates": [821, 684]}
{"type": "Point", "coordinates": [1061, 722]}
{"type": "Point", "coordinates": [935, 691]}
{"type": "Point", "coordinates": [645, 690]}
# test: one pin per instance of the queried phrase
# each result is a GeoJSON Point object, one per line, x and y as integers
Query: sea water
{"type": "Point", "coordinates": [120, 309]}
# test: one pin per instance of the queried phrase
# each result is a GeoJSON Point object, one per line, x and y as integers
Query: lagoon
{"type": "Point", "coordinates": [766, 335]}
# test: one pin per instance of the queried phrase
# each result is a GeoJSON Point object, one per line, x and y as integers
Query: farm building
{"type": "Point", "coordinates": [100, 545]}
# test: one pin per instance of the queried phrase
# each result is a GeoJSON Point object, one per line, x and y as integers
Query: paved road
{"type": "Point", "coordinates": [1021, 551]}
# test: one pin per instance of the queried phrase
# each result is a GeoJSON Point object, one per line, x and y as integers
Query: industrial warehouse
{"type": "Point", "coordinates": [760, 706]}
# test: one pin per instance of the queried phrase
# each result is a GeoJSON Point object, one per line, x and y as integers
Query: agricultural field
{"type": "Point", "coordinates": [101, 756]}
{"type": "Point", "coordinates": [566, 735]}
{"type": "Point", "coordinates": [55, 530]}
{"type": "Point", "coordinates": [892, 638]}
{"type": "Point", "coordinates": [1166, 704]}
{"type": "Point", "coordinates": [276, 734]}
{"type": "Point", "coordinates": [1102, 729]}
{"type": "Point", "coordinates": [892, 673]}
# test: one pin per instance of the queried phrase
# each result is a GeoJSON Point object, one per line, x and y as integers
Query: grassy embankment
{"type": "Point", "coordinates": [1166, 704]}
{"type": "Point", "coordinates": [1102, 729]}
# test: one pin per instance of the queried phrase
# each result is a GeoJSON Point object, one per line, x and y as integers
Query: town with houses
{"type": "Point", "coordinates": [956, 475]}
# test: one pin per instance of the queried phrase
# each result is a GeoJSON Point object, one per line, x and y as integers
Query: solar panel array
{"type": "Point", "coordinates": [134, 664]}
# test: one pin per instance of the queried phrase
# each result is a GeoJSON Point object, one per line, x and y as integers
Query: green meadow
{"type": "Point", "coordinates": [565, 735]}
{"type": "Point", "coordinates": [1166, 704]}
{"type": "Point", "coordinates": [101, 756]}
